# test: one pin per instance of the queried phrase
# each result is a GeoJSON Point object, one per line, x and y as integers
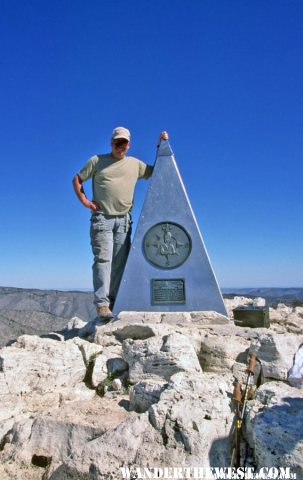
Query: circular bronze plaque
{"type": "Point", "coordinates": [167, 245]}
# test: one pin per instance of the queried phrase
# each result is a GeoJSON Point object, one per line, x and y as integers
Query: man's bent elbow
{"type": "Point", "coordinates": [76, 180]}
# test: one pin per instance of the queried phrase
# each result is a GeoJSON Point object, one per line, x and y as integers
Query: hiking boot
{"type": "Point", "coordinates": [104, 313]}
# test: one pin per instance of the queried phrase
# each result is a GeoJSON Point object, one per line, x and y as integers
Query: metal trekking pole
{"type": "Point", "coordinates": [241, 402]}
{"type": "Point", "coordinates": [249, 381]}
{"type": "Point", "coordinates": [237, 398]}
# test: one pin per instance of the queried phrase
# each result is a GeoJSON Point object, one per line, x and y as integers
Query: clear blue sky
{"type": "Point", "coordinates": [224, 77]}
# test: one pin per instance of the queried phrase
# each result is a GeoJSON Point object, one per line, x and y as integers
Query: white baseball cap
{"type": "Point", "coordinates": [121, 132]}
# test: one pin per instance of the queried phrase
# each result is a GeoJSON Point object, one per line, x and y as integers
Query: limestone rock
{"type": "Point", "coordinates": [295, 375]}
{"type": "Point", "coordinates": [75, 322]}
{"type": "Point", "coordinates": [174, 318]}
{"type": "Point", "coordinates": [146, 393]}
{"type": "Point", "coordinates": [208, 318]}
{"type": "Point", "coordinates": [294, 323]}
{"type": "Point", "coordinates": [259, 302]}
{"type": "Point", "coordinates": [99, 370]}
{"type": "Point", "coordinates": [88, 350]}
{"type": "Point", "coordinates": [49, 438]}
{"type": "Point", "coordinates": [194, 410]}
{"type": "Point", "coordinates": [159, 356]}
{"type": "Point", "coordinates": [276, 353]}
{"type": "Point", "coordinates": [58, 433]}
{"type": "Point", "coordinates": [130, 443]}
{"type": "Point", "coordinates": [240, 301]}
{"type": "Point", "coordinates": [38, 364]}
{"type": "Point", "coordinates": [37, 373]}
{"type": "Point", "coordinates": [286, 319]}
{"type": "Point", "coordinates": [221, 348]}
{"type": "Point", "coordinates": [274, 427]}
{"type": "Point", "coordinates": [19, 471]}
{"type": "Point", "coordinates": [117, 384]}
{"type": "Point", "coordinates": [139, 317]}
{"type": "Point", "coordinates": [116, 365]}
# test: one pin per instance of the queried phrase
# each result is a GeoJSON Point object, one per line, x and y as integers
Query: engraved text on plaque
{"type": "Point", "coordinates": [169, 291]}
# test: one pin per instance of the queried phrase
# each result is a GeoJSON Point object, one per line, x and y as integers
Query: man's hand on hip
{"type": "Point", "coordinates": [94, 206]}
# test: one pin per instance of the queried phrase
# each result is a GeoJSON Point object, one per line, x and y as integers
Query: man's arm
{"type": "Point", "coordinates": [149, 168]}
{"type": "Point", "coordinates": [78, 187]}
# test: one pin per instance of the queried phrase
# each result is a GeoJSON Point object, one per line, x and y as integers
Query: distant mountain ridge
{"type": "Point", "coordinates": [272, 295]}
{"type": "Point", "coordinates": [56, 302]}
{"type": "Point", "coordinates": [35, 311]}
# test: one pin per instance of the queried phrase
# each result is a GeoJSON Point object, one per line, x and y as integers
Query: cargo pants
{"type": "Point", "coordinates": [110, 242]}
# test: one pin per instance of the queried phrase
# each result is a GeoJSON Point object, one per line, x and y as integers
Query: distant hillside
{"type": "Point", "coordinates": [34, 311]}
{"type": "Point", "coordinates": [55, 302]}
{"type": "Point", "coordinates": [14, 323]}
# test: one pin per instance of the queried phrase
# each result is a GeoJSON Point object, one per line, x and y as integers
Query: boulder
{"type": "Point", "coordinates": [240, 301]}
{"type": "Point", "coordinates": [75, 322]}
{"type": "Point", "coordinates": [159, 356]}
{"type": "Point", "coordinates": [276, 354]}
{"type": "Point", "coordinates": [295, 374]}
{"type": "Point", "coordinates": [131, 443]}
{"type": "Point", "coordinates": [274, 427]}
{"type": "Point", "coordinates": [89, 350]}
{"type": "Point", "coordinates": [286, 319]}
{"type": "Point", "coordinates": [99, 372]}
{"type": "Point", "coordinates": [221, 347]}
{"type": "Point", "coordinates": [52, 436]}
{"type": "Point", "coordinates": [194, 411]}
{"type": "Point", "coordinates": [146, 393]}
{"type": "Point", "coordinates": [35, 364]}
{"type": "Point", "coordinates": [37, 373]}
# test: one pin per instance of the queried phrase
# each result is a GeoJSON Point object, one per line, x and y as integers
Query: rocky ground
{"type": "Point", "coordinates": [148, 390]}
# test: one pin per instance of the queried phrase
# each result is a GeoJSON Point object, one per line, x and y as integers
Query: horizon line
{"type": "Point", "coordinates": [83, 289]}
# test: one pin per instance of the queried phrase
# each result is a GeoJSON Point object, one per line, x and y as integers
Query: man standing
{"type": "Point", "coordinates": [114, 176]}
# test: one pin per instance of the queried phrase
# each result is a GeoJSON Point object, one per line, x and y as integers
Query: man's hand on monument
{"type": "Point", "coordinates": [163, 136]}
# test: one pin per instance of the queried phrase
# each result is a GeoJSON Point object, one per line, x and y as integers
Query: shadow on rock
{"type": "Point", "coordinates": [70, 332]}
{"type": "Point", "coordinates": [273, 435]}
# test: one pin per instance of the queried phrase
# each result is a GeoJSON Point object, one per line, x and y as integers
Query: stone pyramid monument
{"type": "Point", "coordinates": [168, 268]}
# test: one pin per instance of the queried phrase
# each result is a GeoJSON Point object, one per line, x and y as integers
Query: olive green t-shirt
{"type": "Point", "coordinates": [114, 181]}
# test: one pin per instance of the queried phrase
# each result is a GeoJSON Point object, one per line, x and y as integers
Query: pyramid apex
{"type": "Point", "coordinates": [164, 149]}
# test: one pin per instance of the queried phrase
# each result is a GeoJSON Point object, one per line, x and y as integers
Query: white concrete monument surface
{"type": "Point", "coordinates": [168, 268]}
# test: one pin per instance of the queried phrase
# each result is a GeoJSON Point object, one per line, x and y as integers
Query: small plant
{"type": "Point", "coordinates": [105, 384]}
{"type": "Point", "coordinates": [126, 386]}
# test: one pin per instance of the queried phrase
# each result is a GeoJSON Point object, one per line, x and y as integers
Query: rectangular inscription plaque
{"type": "Point", "coordinates": [168, 291]}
